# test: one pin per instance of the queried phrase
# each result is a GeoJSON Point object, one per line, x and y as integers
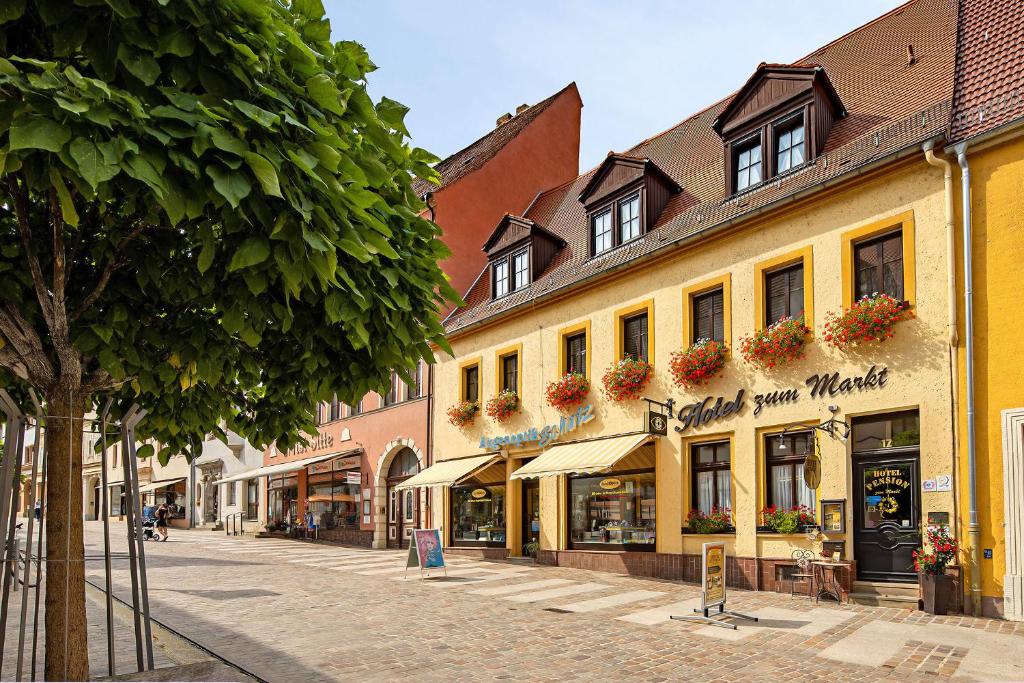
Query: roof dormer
{"type": "Point", "coordinates": [624, 199]}
{"type": "Point", "coordinates": [778, 121]}
{"type": "Point", "coordinates": [518, 251]}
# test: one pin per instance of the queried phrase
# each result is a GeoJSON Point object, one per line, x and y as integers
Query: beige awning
{"type": "Point", "coordinates": [581, 457]}
{"type": "Point", "coordinates": [448, 472]}
{"type": "Point", "coordinates": [159, 485]}
{"type": "Point", "coordinates": [284, 467]}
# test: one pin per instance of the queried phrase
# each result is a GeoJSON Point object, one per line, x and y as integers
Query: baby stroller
{"type": "Point", "coordinates": [149, 524]}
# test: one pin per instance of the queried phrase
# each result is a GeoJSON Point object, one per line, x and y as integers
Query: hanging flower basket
{"type": "Point", "coordinates": [625, 380]}
{"type": "Point", "coordinates": [698, 364]}
{"type": "Point", "coordinates": [462, 413]}
{"type": "Point", "coordinates": [870, 319]}
{"type": "Point", "coordinates": [568, 392]}
{"type": "Point", "coordinates": [503, 406]}
{"type": "Point", "coordinates": [778, 344]}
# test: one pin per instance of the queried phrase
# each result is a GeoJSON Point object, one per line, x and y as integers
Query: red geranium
{"type": "Point", "coordinates": [944, 550]}
{"type": "Point", "coordinates": [626, 379]}
{"type": "Point", "coordinates": [870, 319]}
{"type": "Point", "coordinates": [698, 364]}
{"type": "Point", "coordinates": [462, 413]}
{"type": "Point", "coordinates": [502, 406]}
{"type": "Point", "coordinates": [776, 344]}
{"type": "Point", "coordinates": [569, 391]}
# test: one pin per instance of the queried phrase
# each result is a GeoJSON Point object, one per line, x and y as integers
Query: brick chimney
{"type": "Point", "coordinates": [521, 108]}
{"type": "Point", "coordinates": [502, 120]}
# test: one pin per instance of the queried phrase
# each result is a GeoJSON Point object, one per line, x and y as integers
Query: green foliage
{"type": "Point", "coordinates": [222, 162]}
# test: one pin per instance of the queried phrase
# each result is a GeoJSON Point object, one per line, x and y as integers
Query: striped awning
{"type": "Point", "coordinates": [448, 472]}
{"type": "Point", "coordinates": [582, 457]}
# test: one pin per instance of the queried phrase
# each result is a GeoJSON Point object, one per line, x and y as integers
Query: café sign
{"type": "Point", "coordinates": [822, 385]}
{"type": "Point", "coordinates": [542, 435]}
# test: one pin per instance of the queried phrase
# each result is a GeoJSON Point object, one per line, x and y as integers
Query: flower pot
{"type": "Point", "coordinates": [936, 592]}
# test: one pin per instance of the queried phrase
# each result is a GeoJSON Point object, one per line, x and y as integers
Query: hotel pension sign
{"type": "Point", "coordinates": [824, 385]}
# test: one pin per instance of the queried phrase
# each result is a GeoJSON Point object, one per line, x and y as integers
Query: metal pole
{"type": "Point", "coordinates": [39, 565]}
{"type": "Point", "coordinates": [140, 542]}
{"type": "Point", "coordinates": [9, 491]}
{"type": "Point", "coordinates": [28, 549]}
{"type": "Point", "coordinates": [129, 513]}
{"type": "Point", "coordinates": [192, 494]}
{"type": "Point", "coordinates": [105, 502]}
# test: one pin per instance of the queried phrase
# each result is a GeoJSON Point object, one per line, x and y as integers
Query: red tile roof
{"type": "Point", "coordinates": [472, 157]}
{"type": "Point", "coordinates": [989, 89]}
{"type": "Point", "coordinates": [892, 105]}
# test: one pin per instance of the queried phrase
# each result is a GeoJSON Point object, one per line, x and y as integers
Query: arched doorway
{"type": "Point", "coordinates": [403, 506]}
{"type": "Point", "coordinates": [93, 489]}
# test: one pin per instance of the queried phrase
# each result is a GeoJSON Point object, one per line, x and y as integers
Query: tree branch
{"type": "Point", "coordinates": [113, 265]}
{"type": "Point", "coordinates": [59, 327]}
{"type": "Point", "coordinates": [20, 200]}
{"type": "Point", "coordinates": [23, 340]}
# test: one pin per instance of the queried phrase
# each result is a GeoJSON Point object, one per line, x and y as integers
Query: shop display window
{"type": "Point", "coordinates": [478, 515]}
{"type": "Point", "coordinates": [334, 498]}
{"type": "Point", "coordinates": [283, 493]}
{"type": "Point", "coordinates": [612, 511]}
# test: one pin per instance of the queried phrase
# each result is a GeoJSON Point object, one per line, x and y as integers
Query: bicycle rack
{"type": "Point", "coordinates": [237, 522]}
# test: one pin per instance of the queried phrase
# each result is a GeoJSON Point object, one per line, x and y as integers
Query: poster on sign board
{"type": "Point", "coordinates": [713, 574]}
{"type": "Point", "coordinates": [425, 551]}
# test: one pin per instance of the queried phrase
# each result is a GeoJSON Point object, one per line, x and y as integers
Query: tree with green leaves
{"type": "Point", "coordinates": [203, 212]}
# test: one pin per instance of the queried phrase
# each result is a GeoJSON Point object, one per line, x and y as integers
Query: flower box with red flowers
{"type": "Point", "coordinates": [503, 406]}
{"type": "Point", "coordinates": [698, 364]}
{"type": "Point", "coordinates": [870, 319]}
{"type": "Point", "coordinates": [626, 379]}
{"type": "Point", "coordinates": [777, 344]}
{"type": "Point", "coordinates": [780, 520]}
{"type": "Point", "coordinates": [718, 521]}
{"type": "Point", "coordinates": [569, 391]}
{"type": "Point", "coordinates": [462, 413]}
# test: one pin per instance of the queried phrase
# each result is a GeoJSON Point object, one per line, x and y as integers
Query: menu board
{"type": "Point", "coordinates": [713, 574]}
{"type": "Point", "coordinates": [425, 550]}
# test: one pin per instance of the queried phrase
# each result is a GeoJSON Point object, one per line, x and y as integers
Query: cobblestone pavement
{"type": "Point", "coordinates": [296, 611]}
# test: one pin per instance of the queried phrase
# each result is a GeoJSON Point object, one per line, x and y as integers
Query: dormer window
{"type": "Point", "coordinates": [518, 250]}
{"type": "Point", "coordinates": [629, 218]}
{"type": "Point", "coordinates": [501, 277]}
{"type": "Point", "coordinates": [778, 121]}
{"type": "Point", "coordinates": [602, 227]}
{"type": "Point", "coordinates": [748, 163]}
{"type": "Point", "coordinates": [521, 269]}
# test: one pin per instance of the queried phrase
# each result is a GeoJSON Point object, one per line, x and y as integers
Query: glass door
{"type": "Point", "coordinates": [531, 513]}
{"type": "Point", "coordinates": [887, 525]}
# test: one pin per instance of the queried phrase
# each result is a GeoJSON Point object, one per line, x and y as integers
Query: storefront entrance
{"type": "Point", "coordinates": [531, 512]}
{"type": "Point", "coordinates": [403, 506]}
{"type": "Point", "coordinates": [887, 502]}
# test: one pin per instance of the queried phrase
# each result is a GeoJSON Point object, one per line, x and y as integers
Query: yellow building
{"type": "Point", "coordinates": [803, 192]}
{"type": "Point", "coordinates": [988, 163]}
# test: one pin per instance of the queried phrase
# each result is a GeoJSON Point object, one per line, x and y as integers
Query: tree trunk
{"type": "Point", "coordinates": [67, 651]}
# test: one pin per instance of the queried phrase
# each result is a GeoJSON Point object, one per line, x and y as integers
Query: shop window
{"type": "Point", "coordinates": [789, 144]}
{"type": "Point", "coordinates": [709, 316]}
{"type": "Point", "coordinates": [711, 476]}
{"type": "Point", "coordinates": [471, 383]}
{"type": "Point", "coordinates": [634, 337]}
{"type": "Point", "coordinates": [282, 498]}
{"type": "Point", "coordinates": [892, 430]}
{"type": "Point", "coordinates": [612, 512]}
{"type": "Point", "coordinates": [784, 294]}
{"type": "Point", "coordinates": [333, 498]}
{"type": "Point", "coordinates": [878, 266]}
{"type": "Point", "coordinates": [784, 468]}
{"type": "Point", "coordinates": [478, 515]}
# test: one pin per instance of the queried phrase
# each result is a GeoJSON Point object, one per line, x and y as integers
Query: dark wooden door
{"type": "Point", "coordinates": [887, 518]}
{"type": "Point", "coordinates": [403, 514]}
{"type": "Point", "coordinates": [530, 512]}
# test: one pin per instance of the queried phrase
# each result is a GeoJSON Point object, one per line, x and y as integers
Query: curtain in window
{"type": "Point", "coordinates": [705, 492]}
{"type": "Point", "coordinates": [804, 493]}
{"type": "Point", "coordinates": [724, 489]}
{"type": "Point", "coordinates": [782, 486]}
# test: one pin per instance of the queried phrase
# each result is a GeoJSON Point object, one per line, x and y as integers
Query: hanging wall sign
{"type": "Point", "coordinates": [812, 471]}
{"type": "Point", "coordinates": [542, 436]}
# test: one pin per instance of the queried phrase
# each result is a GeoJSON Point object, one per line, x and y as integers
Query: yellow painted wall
{"type": "Point", "coordinates": [917, 358]}
{"type": "Point", "coordinates": [997, 206]}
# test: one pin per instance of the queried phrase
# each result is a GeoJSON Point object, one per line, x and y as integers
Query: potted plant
{"type": "Point", "coordinates": [698, 364]}
{"type": "Point", "coordinates": [568, 391]}
{"type": "Point", "coordinates": [503, 406]}
{"type": "Point", "coordinates": [779, 343]}
{"type": "Point", "coordinates": [530, 550]}
{"type": "Point", "coordinates": [462, 413]}
{"type": "Point", "coordinates": [786, 521]}
{"type": "Point", "coordinates": [718, 521]}
{"type": "Point", "coordinates": [625, 380]}
{"type": "Point", "coordinates": [936, 585]}
{"type": "Point", "coordinates": [870, 319]}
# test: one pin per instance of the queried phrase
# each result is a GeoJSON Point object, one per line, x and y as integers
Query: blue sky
{"type": "Point", "coordinates": [640, 66]}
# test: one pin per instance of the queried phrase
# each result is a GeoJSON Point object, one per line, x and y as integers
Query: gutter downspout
{"type": "Point", "coordinates": [973, 527]}
{"type": "Point", "coordinates": [954, 356]}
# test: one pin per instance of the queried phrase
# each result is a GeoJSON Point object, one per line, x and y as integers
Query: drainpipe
{"type": "Point", "coordinates": [973, 527]}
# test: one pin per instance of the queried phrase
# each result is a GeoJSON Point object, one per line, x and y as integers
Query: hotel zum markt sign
{"type": "Point", "coordinates": [825, 385]}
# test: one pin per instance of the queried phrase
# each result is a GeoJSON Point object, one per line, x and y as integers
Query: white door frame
{"type": "Point", "coordinates": [1013, 513]}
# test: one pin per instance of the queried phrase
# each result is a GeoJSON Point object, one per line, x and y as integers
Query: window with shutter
{"type": "Point", "coordinates": [576, 353]}
{"type": "Point", "coordinates": [709, 316]}
{"type": "Point", "coordinates": [878, 266]}
{"type": "Point", "coordinates": [784, 294]}
{"type": "Point", "coordinates": [510, 373]}
{"type": "Point", "coordinates": [470, 383]}
{"type": "Point", "coordinates": [634, 337]}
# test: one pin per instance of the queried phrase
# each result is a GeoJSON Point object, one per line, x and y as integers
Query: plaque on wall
{"type": "Point", "coordinates": [833, 516]}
